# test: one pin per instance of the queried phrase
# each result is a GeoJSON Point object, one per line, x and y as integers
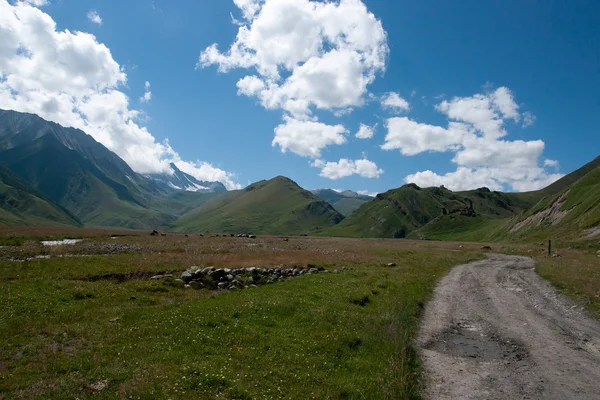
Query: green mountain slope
{"type": "Point", "coordinates": [399, 212]}
{"type": "Point", "coordinates": [81, 175]}
{"type": "Point", "coordinates": [571, 213]}
{"type": "Point", "coordinates": [77, 185]}
{"type": "Point", "coordinates": [345, 202]}
{"type": "Point", "coordinates": [568, 208]}
{"type": "Point", "coordinates": [277, 206]}
{"type": "Point", "coordinates": [21, 204]}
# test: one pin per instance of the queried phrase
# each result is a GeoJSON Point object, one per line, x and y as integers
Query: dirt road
{"type": "Point", "coordinates": [495, 330]}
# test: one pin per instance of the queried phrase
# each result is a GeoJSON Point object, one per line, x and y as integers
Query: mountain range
{"type": "Point", "coordinates": [344, 201]}
{"type": "Point", "coordinates": [52, 175]}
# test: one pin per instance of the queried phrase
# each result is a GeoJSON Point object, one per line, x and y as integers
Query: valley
{"type": "Point", "coordinates": [272, 290]}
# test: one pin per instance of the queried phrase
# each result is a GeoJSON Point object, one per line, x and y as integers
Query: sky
{"type": "Point", "coordinates": [362, 95]}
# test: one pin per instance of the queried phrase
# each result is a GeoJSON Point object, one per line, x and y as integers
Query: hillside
{"type": "Point", "coordinates": [277, 206]}
{"type": "Point", "coordinates": [572, 213]}
{"type": "Point", "coordinates": [344, 202]}
{"type": "Point", "coordinates": [399, 212]}
{"type": "Point", "coordinates": [81, 175]}
{"type": "Point", "coordinates": [21, 204]}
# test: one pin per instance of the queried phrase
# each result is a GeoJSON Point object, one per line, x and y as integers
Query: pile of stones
{"type": "Point", "coordinates": [234, 279]}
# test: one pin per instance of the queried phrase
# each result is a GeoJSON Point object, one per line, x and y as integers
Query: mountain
{"type": "Point", "coordinates": [82, 176]}
{"type": "Point", "coordinates": [345, 202]}
{"type": "Point", "coordinates": [570, 209]}
{"type": "Point", "coordinates": [399, 212]}
{"type": "Point", "coordinates": [277, 206]}
{"type": "Point", "coordinates": [20, 204]}
{"type": "Point", "coordinates": [178, 180]}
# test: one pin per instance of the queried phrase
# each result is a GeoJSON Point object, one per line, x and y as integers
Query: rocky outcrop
{"type": "Point", "coordinates": [241, 278]}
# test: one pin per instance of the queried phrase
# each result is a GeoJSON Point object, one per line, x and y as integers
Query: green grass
{"type": "Point", "coordinates": [278, 206]}
{"type": "Point", "coordinates": [400, 212]}
{"type": "Point", "coordinates": [345, 335]}
{"type": "Point", "coordinates": [460, 228]}
{"type": "Point", "coordinates": [581, 200]}
{"type": "Point", "coordinates": [575, 272]}
{"type": "Point", "coordinates": [21, 204]}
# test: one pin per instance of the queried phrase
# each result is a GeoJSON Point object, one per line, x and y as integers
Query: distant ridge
{"type": "Point", "coordinates": [179, 180]}
{"type": "Point", "coordinates": [345, 202]}
{"type": "Point", "coordinates": [277, 206]}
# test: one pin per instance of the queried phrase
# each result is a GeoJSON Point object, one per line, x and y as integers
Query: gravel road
{"type": "Point", "coordinates": [495, 330]}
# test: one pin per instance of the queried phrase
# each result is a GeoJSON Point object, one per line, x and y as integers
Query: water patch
{"type": "Point", "coordinates": [60, 242]}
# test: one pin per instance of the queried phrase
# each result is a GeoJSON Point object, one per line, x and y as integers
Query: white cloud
{"type": "Point", "coordinates": [207, 172]}
{"type": "Point", "coordinates": [528, 119]}
{"type": "Point", "coordinates": [94, 17]}
{"type": "Point", "coordinates": [69, 78]}
{"type": "Point", "coordinates": [463, 179]}
{"type": "Point", "coordinates": [486, 112]}
{"type": "Point", "coordinates": [474, 134]}
{"type": "Point", "coordinates": [394, 102]}
{"type": "Point", "coordinates": [37, 3]}
{"type": "Point", "coordinates": [307, 138]}
{"type": "Point", "coordinates": [304, 56]}
{"type": "Point", "coordinates": [367, 193]}
{"type": "Point", "coordinates": [147, 93]}
{"type": "Point", "coordinates": [366, 131]}
{"type": "Point", "coordinates": [412, 138]}
{"type": "Point", "coordinates": [550, 163]}
{"type": "Point", "coordinates": [345, 167]}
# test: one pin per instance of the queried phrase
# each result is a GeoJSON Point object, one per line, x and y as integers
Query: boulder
{"type": "Point", "coordinates": [218, 274]}
{"type": "Point", "coordinates": [156, 277]}
{"type": "Point", "coordinates": [186, 276]}
{"type": "Point", "coordinates": [222, 285]}
{"type": "Point", "coordinates": [229, 277]}
{"type": "Point", "coordinates": [391, 265]}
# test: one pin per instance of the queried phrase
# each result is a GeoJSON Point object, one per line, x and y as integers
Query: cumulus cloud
{"type": "Point", "coordinates": [411, 137]}
{"type": "Point", "coordinates": [393, 101]}
{"type": "Point", "coordinates": [366, 131]}
{"type": "Point", "coordinates": [37, 3]}
{"type": "Point", "coordinates": [307, 138]}
{"type": "Point", "coordinates": [367, 193]}
{"type": "Point", "coordinates": [475, 132]}
{"type": "Point", "coordinates": [551, 163]}
{"type": "Point", "coordinates": [485, 112]}
{"type": "Point", "coordinates": [345, 167]}
{"type": "Point", "coordinates": [147, 93]}
{"type": "Point", "coordinates": [304, 56]}
{"type": "Point", "coordinates": [72, 79]}
{"type": "Point", "coordinates": [94, 17]}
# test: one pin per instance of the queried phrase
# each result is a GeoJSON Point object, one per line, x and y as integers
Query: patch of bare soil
{"type": "Point", "coordinates": [551, 215]}
{"type": "Point", "coordinates": [495, 330]}
{"type": "Point", "coordinates": [595, 231]}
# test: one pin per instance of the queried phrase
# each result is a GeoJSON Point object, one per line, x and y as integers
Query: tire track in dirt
{"type": "Point", "coordinates": [496, 330]}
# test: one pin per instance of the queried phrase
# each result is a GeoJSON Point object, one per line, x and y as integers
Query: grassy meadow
{"type": "Point", "coordinates": [85, 320]}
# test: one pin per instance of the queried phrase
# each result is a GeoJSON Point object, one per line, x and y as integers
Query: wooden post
{"type": "Point", "coordinates": [549, 247]}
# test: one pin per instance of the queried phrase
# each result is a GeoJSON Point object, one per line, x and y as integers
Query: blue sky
{"type": "Point", "coordinates": [541, 61]}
